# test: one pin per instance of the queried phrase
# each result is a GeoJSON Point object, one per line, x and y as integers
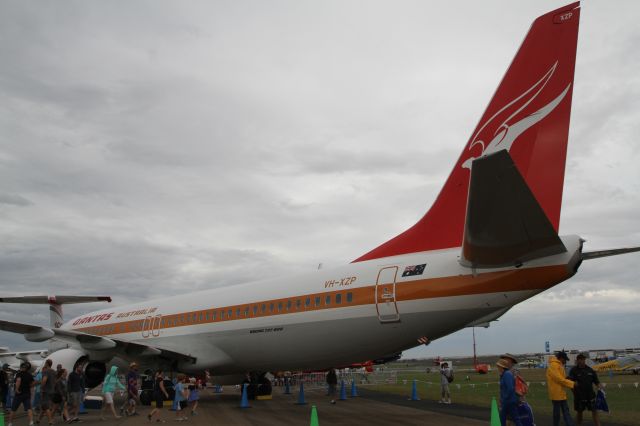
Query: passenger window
{"type": "Point", "coordinates": [279, 306]}
{"type": "Point", "coordinates": [327, 300]}
{"type": "Point", "coordinates": [200, 316]}
{"type": "Point", "coordinates": [288, 305]}
{"type": "Point", "coordinates": [230, 313]}
{"type": "Point", "coordinates": [214, 315]}
{"type": "Point", "coordinates": [307, 302]}
{"type": "Point", "coordinates": [246, 311]}
{"type": "Point", "coordinates": [221, 315]}
{"type": "Point", "coordinates": [349, 297]}
{"type": "Point", "coordinates": [338, 299]}
{"type": "Point", "coordinates": [317, 301]}
{"type": "Point", "coordinates": [298, 303]}
{"type": "Point", "coordinates": [237, 312]}
{"type": "Point", "coordinates": [255, 309]}
{"type": "Point", "coordinates": [264, 308]}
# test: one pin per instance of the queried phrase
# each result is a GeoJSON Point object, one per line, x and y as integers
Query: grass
{"type": "Point", "coordinates": [623, 396]}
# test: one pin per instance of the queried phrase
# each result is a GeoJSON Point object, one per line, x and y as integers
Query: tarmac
{"type": "Point", "coordinates": [370, 408]}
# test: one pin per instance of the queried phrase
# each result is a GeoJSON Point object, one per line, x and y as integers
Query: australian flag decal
{"type": "Point", "coordinates": [410, 271]}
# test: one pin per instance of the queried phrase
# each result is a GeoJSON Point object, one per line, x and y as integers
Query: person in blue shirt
{"type": "Point", "coordinates": [508, 397]}
{"type": "Point", "coordinates": [181, 397]}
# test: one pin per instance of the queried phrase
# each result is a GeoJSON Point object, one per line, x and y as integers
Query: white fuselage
{"type": "Point", "coordinates": [358, 312]}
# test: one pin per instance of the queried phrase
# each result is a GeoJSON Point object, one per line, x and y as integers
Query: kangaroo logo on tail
{"type": "Point", "coordinates": [506, 133]}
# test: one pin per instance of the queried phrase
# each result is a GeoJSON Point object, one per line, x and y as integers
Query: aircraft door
{"type": "Point", "coordinates": [386, 295]}
{"type": "Point", "coordinates": [146, 326]}
{"type": "Point", "coordinates": [155, 328]}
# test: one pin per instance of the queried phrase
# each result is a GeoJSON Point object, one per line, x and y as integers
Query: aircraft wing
{"type": "Point", "coordinates": [118, 347]}
{"type": "Point", "coordinates": [611, 252]}
{"type": "Point", "coordinates": [13, 359]}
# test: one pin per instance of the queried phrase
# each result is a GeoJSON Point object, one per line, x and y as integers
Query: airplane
{"type": "Point", "coordinates": [628, 363]}
{"type": "Point", "coordinates": [489, 241]}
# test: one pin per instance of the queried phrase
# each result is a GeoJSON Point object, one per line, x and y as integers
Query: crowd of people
{"type": "Point", "coordinates": [56, 392]}
{"type": "Point", "coordinates": [582, 380]}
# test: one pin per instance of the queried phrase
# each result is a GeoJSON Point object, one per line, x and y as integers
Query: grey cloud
{"type": "Point", "coordinates": [14, 200]}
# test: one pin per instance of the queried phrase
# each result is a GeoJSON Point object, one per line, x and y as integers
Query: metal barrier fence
{"type": "Point", "coordinates": [319, 379]}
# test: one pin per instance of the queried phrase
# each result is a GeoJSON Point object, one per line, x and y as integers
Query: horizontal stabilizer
{"type": "Point", "coordinates": [604, 253]}
{"type": "Point", "coordinates": [60, 300]}
{"type": "Point", "coordinates": [504, 225]}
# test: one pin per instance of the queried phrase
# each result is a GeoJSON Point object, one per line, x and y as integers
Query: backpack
{"type": "Point", "coordinates": [525, 414]}
{"type": "Point", "coordinates": [450, 376]}
{"type": "Point", "coordinates": [521, 386]}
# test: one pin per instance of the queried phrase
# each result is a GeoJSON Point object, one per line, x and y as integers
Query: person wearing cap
{"type": "Point", "coordinates": [129, 406]}
{"type": "Point", "coordinates": [510, 359]}
{"type": "Point", "coordinates": [508, 397]}
{"type": "Point", "coordinates": [584, 396]}
{"type": "Point", "coordinates": [23, 388]}
{"type": "Point", "coordinates": [556, 384]}
{"type": "Point", "coordinates": [521, 387]}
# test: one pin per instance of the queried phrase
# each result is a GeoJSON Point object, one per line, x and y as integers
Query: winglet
{"type": "Point", "coordinates": [504, 225]}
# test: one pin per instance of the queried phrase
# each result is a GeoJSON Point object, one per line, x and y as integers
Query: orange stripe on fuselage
{"type": "Point", "coordinates": [493, 282]}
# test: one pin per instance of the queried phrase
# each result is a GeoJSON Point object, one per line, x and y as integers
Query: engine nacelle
{"type": "Point", "coordinates": [94, 371]}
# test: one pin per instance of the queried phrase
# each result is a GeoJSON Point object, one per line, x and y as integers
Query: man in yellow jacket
{"type": "Point", "coordinates": [557, 382]}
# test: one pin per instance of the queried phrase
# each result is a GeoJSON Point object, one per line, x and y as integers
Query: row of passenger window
{"type": "Point", "coordinates": [259, 309]}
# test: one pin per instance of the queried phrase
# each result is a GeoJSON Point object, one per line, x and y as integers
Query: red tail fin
{"type": "Point", "coordinates": [529, 117]}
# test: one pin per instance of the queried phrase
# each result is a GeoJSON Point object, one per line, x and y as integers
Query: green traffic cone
{"type": "Point", "coordinates": [314, 416]}
{"type": "Point", "coordinates": [495, 415]}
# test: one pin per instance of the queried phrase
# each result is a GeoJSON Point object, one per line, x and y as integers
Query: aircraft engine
{"type": "Point", "coordinates": [94, 371]}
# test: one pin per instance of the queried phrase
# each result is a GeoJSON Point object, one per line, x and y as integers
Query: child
{"type": "Point", "coordinates": [194, 394]}
{"type": "Point", "coordinates": [182, 393]}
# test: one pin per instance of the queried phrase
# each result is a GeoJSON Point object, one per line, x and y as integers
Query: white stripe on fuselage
{"type": "Point", "coordinates": [200, 340]}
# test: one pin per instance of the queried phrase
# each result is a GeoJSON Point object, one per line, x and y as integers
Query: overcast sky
{"type": "Point", "coordinates": [151, 148]}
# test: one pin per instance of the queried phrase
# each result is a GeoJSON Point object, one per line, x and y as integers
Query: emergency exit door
{"type": "Point", "coordinates": [386, 295]}
{"type": "Point", "coordinates": [151, 326]}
